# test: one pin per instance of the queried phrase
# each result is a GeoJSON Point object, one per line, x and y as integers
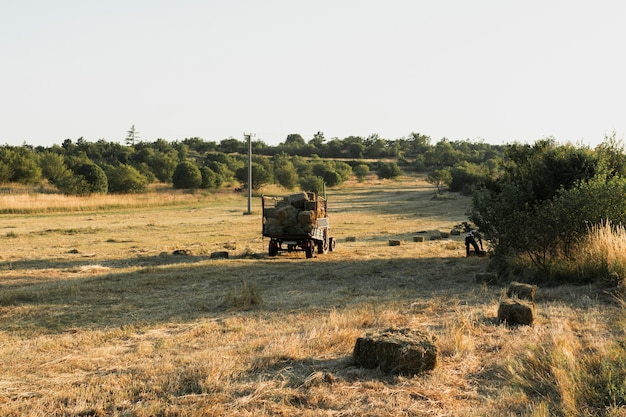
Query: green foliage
{"type": "Point", "coordinates": [465, 177]}
{"type": "Point", "coordinates": [209, 178]}
{"type": "Point", "coordinates": [88, 178]}
{"type": "Point", "coordinates": [361, 171]}
{"type": "Point", "coordinates": [125, 179]}
{"type": "Point", "coordinates": [332, 178]}
{"type": "Point", "coordinates": [94, 176]}
{"type": "Point", "coordinates": [312, 183]}
{"type": "Point", "coordinates": [19, 164]}
{"type": "Point", "coordinates": [285, 174]}
{"type": "Point", "coordinates": [439, 178]}
{"type": "Point", "coordinates": [53, 167]}
{"type": "Point", "coordinates": [388, 170]}
{"type": "Point", "coordinates": [187, 175]}
{"type": "Point", "coordinates": [260, 176]}
{"type": "Point", "coordinates": [545, 202]}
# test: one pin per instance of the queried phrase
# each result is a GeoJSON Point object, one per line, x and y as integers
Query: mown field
{"type": "Point", "coordinates": [99, 317]}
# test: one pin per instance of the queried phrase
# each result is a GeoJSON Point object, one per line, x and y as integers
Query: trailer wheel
{"type": "Point", "coordinates": [273, 249]}
{"type": "Point", "coordinates": [309, 249]}
{"type": "Point", "coordinates": [331, 244]}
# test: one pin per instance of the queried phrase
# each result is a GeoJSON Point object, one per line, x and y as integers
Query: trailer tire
{"type": "Point", "coordinates": [273, 249]}
{"type": "Point", "coordinates": [331, 244]}
{"type": "Point", "coordinates": [309, 249]}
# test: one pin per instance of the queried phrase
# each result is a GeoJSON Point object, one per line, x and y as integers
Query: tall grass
{"type": "Point", "coordinates": [563, 375]}
{"type": "Point", "coordinates": [602, 254]}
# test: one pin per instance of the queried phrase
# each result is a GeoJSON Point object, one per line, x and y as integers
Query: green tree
{"type": "Point", "coordinates": [388, 170]}
{"type": "Point", "coordinates": [439, 178]}
{"type": "Point", "coordinates": [332, 178]}
{"type": "Point", "coordinates": [209, 178]}
{"type": "Point", "coordinates": [187, 175]}
{"type": "Point", "coordinates": [260, 176]}
{"type": "Point", "coordinates": [53, 167]}
{"type": "Point", "coordinates": [286, 175]}
{"type": "Point", "coordinates": [361, 171]}
{"type": "Point", "coordinates": [125, 179]}
{"type": "Point", "coordinates": [88, 179]}
{"type": "Point", "coordinates": [312, 183]}
{"type": "Point", "coordinates": [132, 136]}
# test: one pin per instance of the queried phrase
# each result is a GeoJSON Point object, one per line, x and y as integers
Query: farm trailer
{"type": "Point", "coordinates": [297, 222]}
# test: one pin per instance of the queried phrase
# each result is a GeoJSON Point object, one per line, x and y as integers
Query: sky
{"type": "Point", "coordinates": [495, 71]}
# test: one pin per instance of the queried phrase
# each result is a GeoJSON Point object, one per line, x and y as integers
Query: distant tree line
{"type": "Point", "coordinates": [81, 167]}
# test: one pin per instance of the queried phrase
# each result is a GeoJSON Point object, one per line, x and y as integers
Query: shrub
{"type": "Point", "coordinates": [126, 179]}
{"type": "Point", "coordinates": [361, 171]}
{"type": "Point", "coordinates": [187, 175]}
{"type": "Point", "coordinates": [388, 170]}
{"type": "Point", "coordinates": [312, 183]}
{"type": "Point", "coordinates": [88, 178]}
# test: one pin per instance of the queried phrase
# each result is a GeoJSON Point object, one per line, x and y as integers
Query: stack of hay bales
{"type": "Point", "coordinates": [295, 214]}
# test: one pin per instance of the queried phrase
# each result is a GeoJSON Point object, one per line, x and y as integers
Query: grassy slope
{"type": "Point", "coordinates": [97, 317]}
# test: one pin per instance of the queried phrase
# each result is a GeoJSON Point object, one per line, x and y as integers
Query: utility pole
{"type": "Point", "coordinates": [248, 137]}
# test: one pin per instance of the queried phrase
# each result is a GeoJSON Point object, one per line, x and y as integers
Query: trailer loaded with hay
{"type": "Point", "coordinates": [297, 222]}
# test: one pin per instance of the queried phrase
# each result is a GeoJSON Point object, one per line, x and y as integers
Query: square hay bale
{"type": "Point", "coordinates": [444, 235]}
{"type": "Point", "coordinates": [398, 351]}
{"type": "Point", "coordinates": [297, 200]}
{"type": "Point", "coordinates": [350, 238]}
{"type": "Point", "coordinates": [306, 217]}
{"type": "Point", "coordinates": [516, 312]}
{"type": "Point", "coordinates": [418, 238]}
{"type": "Point", "coordinates": [521, 291]}
{"type": "Point", "coordinates": [394, 242]}
{"type": "Point", "coordinates": [489, 278]}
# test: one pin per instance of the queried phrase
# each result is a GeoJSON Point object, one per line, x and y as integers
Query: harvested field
{"type": "Point", "coordinates": [100, 317]}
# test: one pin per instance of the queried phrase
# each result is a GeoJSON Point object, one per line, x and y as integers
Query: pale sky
{"type": "Point", "coordinates": [484, 70]}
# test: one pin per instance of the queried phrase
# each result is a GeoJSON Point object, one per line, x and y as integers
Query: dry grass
{"type": "Point", "coordinates": [99, 318]}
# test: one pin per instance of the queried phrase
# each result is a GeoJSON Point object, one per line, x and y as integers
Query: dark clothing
{"type": "Point", "coordinates": [470, 239]}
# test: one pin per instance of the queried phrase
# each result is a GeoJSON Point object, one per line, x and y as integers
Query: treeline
{"type": "Point", "coordinates": [81, 167]}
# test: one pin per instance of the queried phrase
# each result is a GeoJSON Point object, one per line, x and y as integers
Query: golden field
{"type": "Point", "coordinates": [98, 317]}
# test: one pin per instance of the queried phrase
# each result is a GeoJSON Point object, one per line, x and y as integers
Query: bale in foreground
{"type": "Point", "coordinates": [514, 312]}
{"type": "Point", "coordinates": [399, 351]}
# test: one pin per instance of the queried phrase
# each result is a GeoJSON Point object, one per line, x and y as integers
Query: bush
{"type": "Point", "coordinates": [187, 175]}
{"type": "Point", "coordinates": [126, 179]}
{"type": "Point", "coordinates": [312, 183]}
{"type": "Point", "coordinates": [209, 178]}
{"type": "Point", "coordinates": [388, 170]}
{"type": "Point", "coordinates": [361, 171]}
{"type": "Point", "coordinates": [88, 178]}
{"type": "Point", "coordinates": [332, 178]}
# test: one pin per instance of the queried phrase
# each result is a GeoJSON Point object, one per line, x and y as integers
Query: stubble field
{"type": "Point", "coordinates": [99, 317]}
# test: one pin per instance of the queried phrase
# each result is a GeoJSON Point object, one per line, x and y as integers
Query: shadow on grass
{"type": "Point", "coordinates": [81, 261]}
{"type": "Point", "coordinates": [180, 288]}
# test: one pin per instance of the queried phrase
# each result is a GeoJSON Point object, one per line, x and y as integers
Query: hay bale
{"type": "Point", "coordinates": [399, 351]}
{"type": "Point", "coordinates": [273, 229]}
{"type": "Point", "coordinates": [219, 255]}
{"type": "Point", "coordinates": [515, 312]}
{"type": "Point", "coordinates": [182, 252]}
{"type": "Point", "coordinates": [297, 200]}
{"type": "Point", "coordinates": [444, 235]}
{"type": "Point", "coordinates": [394, 242]}
{"type": "Point", "coordinates": [521, 291]}
{"type": "Point", "coordinates": [350, 238]}
{"type": "Point", "coordinates": [489, 278]}
{"type": "Point", "coordinates": [306, 217]}
{"type": "Point", "coordinates": [269, 212]}
{"type": "Point", "coordinates": [418, 238]}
